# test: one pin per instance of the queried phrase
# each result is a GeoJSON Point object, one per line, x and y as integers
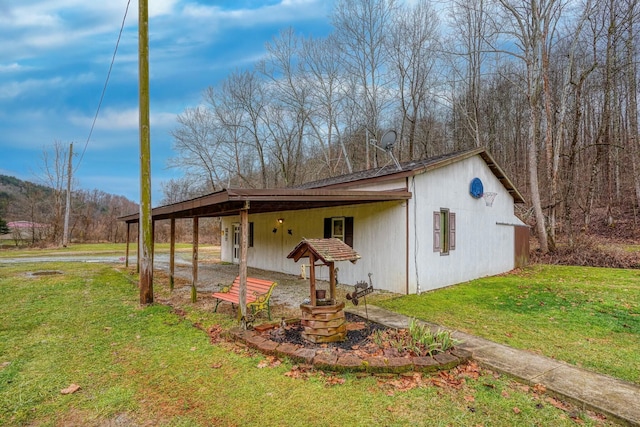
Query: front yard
{"type": "Point", "coordinates": [81, 324]}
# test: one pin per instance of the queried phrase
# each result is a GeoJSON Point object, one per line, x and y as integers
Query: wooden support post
{"type": "Point", "coordinates": [332, 282]}
{"type": "Point", "coordinates": [312, 279]}
{"type": "Point", "coordinates": [153, 242]}
{"type": "Point", "coordinates": [194, 262]}
{"type": "Point", "coordinates": [138, 251]}
{"type": "Point", "coordinates": [126, 252]}
{"type": "Point", "coordinates": [244, 246]}
{"type": "Point", "coordinates": [172, 254]}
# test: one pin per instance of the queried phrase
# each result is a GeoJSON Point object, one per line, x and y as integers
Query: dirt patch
{"type": "Point", "coordinates": [44, 273]}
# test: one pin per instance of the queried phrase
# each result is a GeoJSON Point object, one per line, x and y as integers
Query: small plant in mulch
{"type": "Point", "coordinates": [373, 339]}
{"type": "Point", "coordinates": [417, 340]}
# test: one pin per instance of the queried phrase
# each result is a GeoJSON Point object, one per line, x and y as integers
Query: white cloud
{"type": "Point", "coordinates": [285, 11]}
{"type": "Point", "coordinates": [10, 68]}
{"type": "Point", "coordinates": [13, 89]}
{"type": "Point", "coordinates": [39, 26]}
{"type": "Point", "coordinates": [122, 119]}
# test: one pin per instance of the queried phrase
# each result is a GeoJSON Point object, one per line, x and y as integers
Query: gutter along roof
{"type": "Point", "coordinates": [231, 201]}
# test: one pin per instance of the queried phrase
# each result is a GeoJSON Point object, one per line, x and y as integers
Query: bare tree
{"type": "Point", "coordinates": [361, 27]}
{"type": "Point", "coordinates": [197, 149]}
{"type": "Point", "coordinates": [632, 91]}
{"type": "Point", "coordinates": [54, 175]}
{"type": "Point", "coordinates": [472, 39]}
{"type": "Point", "coordinates": [413, 43]}
{"type": "Point", "coordinates": [324, 75]}
{"type": "Point", "coordinates": [529, 23]}
{"type": "Point", "coordinates": [289, 114]}
{"type": "Point", "coordinates": [245, 93]}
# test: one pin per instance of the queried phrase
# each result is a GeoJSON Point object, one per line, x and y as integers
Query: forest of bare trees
{"type": "Point", "coordinates": [93, 213]}
{"type": "Point", "coordinates": [548, 86]}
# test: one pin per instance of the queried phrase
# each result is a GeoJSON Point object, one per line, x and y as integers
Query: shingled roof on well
{"type": "Point", "coordinates": [325, 250]}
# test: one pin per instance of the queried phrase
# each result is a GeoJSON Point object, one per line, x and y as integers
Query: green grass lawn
{"type": "Point", "coordinates": [586, 316]}
{"type": "Point", "coordinates": [149, 366]}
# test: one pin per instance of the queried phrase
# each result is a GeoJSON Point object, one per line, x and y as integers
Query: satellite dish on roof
{"type": "Point", "coordinates": [387, 142]}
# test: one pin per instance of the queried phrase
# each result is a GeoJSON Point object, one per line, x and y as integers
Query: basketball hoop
{"type": "Point", "coordinates": [489, 197]}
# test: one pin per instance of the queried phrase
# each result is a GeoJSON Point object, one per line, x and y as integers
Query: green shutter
{"type": "Point", "coordinates": [452, 230]}
{"type": "Point", "coordinates": [436, 231]}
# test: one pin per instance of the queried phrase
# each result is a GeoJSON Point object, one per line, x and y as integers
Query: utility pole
{"type": "Point", "coordinates": [145, 250]}
{"type": "Point", "coordinates": [67, 212]}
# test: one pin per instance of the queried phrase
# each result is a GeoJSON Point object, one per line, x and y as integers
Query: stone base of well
{"type": "Point", "coordinates": [325, 323]}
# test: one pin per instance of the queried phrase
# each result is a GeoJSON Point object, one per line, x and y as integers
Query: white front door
{"type": "Point", "coordinates": [236, 244]}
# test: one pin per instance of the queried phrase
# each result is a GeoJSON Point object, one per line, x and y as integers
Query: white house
{"type": "Point", "coordinates": [436, 227]}
{"type": "Point", "coordinates": [417, 227]}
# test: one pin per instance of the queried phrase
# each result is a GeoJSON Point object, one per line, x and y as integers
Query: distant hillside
{"type": "Point", "coordinates": [94, 213]}
{"type": "Point", "coordinates": [13, 192]}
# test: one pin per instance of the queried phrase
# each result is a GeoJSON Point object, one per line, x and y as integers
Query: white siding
{"type": "Point", "coordinates": [379, 232]}
{"type": "Point", "coordinates": [482, 246]}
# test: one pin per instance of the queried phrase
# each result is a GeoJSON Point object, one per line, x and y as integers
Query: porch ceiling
{"type": "Point", "coordinates": [231, 201]}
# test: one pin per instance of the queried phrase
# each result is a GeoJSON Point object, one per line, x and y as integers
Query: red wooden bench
{"type": "Point", "coordinates": [258, 294]}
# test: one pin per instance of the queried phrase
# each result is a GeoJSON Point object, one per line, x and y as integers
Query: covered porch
{"type": "Point", "coordinates": [241, 203]}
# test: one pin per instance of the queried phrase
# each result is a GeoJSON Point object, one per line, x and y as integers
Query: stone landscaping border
{"type": "Point", "coordinates": [330, 360]}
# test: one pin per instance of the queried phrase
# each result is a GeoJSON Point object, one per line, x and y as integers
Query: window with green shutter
{"type": "Point", "coordinates": [444, 231]}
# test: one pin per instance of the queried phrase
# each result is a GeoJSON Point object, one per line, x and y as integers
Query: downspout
{"type": "Point", "coordinates": [406, 238]}
{"type": "Point", "coordinates": [414, 197]}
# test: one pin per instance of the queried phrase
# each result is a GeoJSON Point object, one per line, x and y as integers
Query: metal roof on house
{"type": "Point", "coordinates": [414, 167]}
{"type": "Point", "coordinates": [325, 250]}
{"type": "Point", "coordinates": [328, 192]}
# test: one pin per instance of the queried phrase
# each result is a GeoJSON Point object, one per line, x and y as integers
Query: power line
{"type": "Point", "coordinates": [104, 88]}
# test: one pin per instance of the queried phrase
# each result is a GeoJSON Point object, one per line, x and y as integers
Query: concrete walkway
{"type": "Point", "coordinates": [617, 399]}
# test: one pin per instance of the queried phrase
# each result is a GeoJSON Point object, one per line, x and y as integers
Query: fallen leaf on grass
{"type": "Point", "coordinates": [557, 403]}
{"type": "Point", "coordinates": [470, 398]}
{"type": "Point", "coordinates": [334, 381]}
{"type": "Point", "coordinates": [216, 365]}
{"type": "Point", "coordinates": [539, 388]}
{"type": "Point", "coordinates": [447, 379]}
{"type": "Point", "coordinates": [516, 410]}
{"type": "Point", "coordinates": [577, 420]}
{"type": "Point", "coordinates": [298, 372]}
{"type": "Point", "coordinates": [402, 383]}
{"type": "Point", "coordinates": [270, 362]}
{"type": "Point", "coordinates": [214, 333]}
{"type": "Point", "coordinates": [71, 389]}
{"type": "Point", "coordinates": [470, 369]}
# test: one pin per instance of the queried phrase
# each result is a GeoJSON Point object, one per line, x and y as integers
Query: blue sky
{"type": "Point", "coordinates": [54, 59]}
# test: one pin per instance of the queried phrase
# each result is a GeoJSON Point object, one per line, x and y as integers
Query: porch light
{"type": "Point", "coordinates": [280, 220]}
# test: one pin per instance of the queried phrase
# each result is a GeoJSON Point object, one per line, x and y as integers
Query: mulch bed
{"type": "Point", "coordinates": [359, 331]}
